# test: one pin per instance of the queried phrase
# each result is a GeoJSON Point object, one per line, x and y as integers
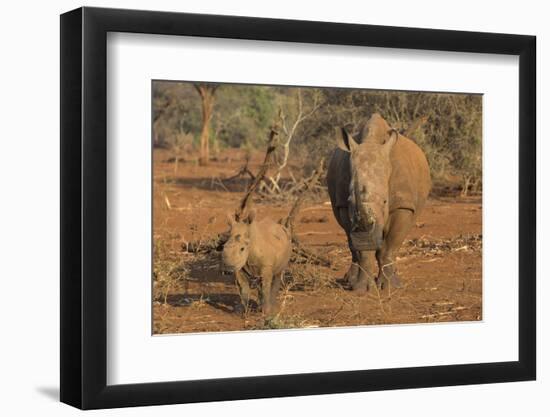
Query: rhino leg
{"type": "Point", "coordinates": [353, 272]}
{"type": "Point", "coordinates": [275, 288]}
{"type": "Point", "coordinates": [399, 224]}
{"type": "Point", "coordinates": [267, 283]}
{"type": "Point", "coordinates": [364, 277]}
{"type": "Point", "coordinates": [244, 290]}
{"type": "Point", "coordinates": [352, 275]}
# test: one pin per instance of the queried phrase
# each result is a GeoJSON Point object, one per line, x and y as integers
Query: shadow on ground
{"type": "Point", "coordinates": [226, 302]}
{"type": "Point", "coordinates": [206, 269]}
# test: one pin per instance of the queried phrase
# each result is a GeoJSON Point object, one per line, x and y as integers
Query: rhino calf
{"type": "Point", "coordinates": [257, 249]}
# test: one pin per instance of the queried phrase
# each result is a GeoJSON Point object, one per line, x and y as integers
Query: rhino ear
{"type": "Point", "coordinates": [345, 141]}
{"type": "Point", "coordinates": [250, 216]}
{"type": "Point", "coordinates": [230, 220]}
{"type": "Point", "coordinates": [393, 135]}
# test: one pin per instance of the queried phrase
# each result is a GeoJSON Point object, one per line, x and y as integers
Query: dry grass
{"type": "Point", "coordinates": [306, 281]}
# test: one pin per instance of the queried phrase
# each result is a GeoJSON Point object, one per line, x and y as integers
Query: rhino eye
{"type": "Point", "coordinates": [364, 189]}
{"type": "Point", "coordinates": [242, 249]}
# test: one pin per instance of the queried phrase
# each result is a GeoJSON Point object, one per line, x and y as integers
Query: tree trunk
{"type": "Point", "coordinates": [465, 185]}
{"type": "Point", "coordinates": [207, 101]}
{"type": "Point", "coordinates": [205, 137]}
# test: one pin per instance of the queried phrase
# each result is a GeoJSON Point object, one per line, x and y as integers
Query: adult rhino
{"type": "Point", "coordinates": [378, 183]}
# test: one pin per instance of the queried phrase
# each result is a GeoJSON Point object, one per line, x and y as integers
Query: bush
{"type": "Point", "coordinates": [243, 114]}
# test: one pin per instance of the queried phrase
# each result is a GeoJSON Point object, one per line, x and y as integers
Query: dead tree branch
{"type": "Point", "coordinates": [271, 146]}
{"type": "Point", "coordinates": [245, 170]}
{"type": "Point", "coordinates": [289, 131]}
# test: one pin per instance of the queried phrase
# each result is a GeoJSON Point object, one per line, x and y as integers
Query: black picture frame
{"type": "Point", "coordinates": [84, 207]}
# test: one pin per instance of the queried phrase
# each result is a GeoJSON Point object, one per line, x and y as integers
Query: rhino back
{"type": "Point", "coordinates": [270, 245]}
{"type": "Point", "coordinates": [410, 181]}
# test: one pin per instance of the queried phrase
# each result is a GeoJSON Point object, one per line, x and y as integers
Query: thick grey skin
{"type": "Point", "coordinates": [269, 249]}
{"type": "Point", "coordinates": [407, 190]}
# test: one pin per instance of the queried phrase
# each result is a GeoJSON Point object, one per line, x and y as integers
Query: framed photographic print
{"type": "Point", "coordinates": [256, 208]}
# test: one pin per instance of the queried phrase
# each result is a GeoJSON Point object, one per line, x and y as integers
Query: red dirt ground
{"type": "Point", "coordinates": [440, 263]}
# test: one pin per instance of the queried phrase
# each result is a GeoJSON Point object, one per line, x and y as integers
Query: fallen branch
{"type": "Point", "coordinates": [243, 171]}
{"type": "Point", "coordinates": [213, 244]}
{"type": "Point", "coordinates": [310, 256]}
